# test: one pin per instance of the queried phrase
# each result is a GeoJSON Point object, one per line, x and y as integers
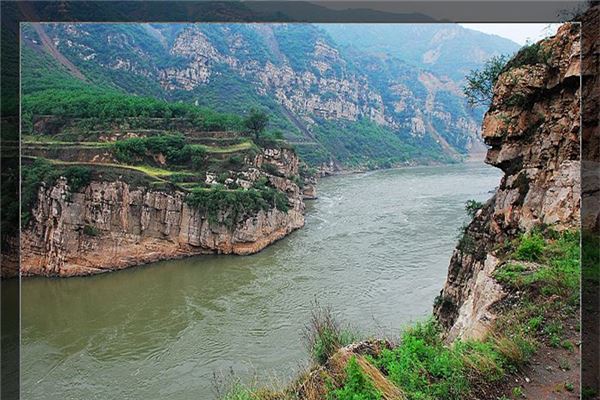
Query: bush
{"type": "Point", "coordinates": [531, 247]}
{"type": "Point", "coordinates": [236, 161]}
{"type": "Point", "coordinates": [91, 230]}
{"type": "Point", "coordinates": [558, 275]}
{"type": "Point", "coordinates": [239, 392]}
{"type": "Point", "coordinates": [179, 177]}
{"type": "Point", "coordinates": [271, 169]}
{"type": "Point", "coordinates": [198, 158]}
{"type": "Point", "coordinates": [173, 147]}
{"type": "Point", "coordinates": [223, 176]}
{"type": "Point", "coordinates": [77, 177]}
{"type": "Point", "coordinates": [472, 206]}
{"type": "Point", "coordinates": [423, 367]}
{"type": "Point", "coordinates": [529, 54]}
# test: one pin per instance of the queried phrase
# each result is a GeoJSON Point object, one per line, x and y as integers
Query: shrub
{"type": "Point", "coordinates": [223, 176]}
{"type": "Point", "coordinates": [531, 247]}
{"type": "Point", "coordinates": [236, 161]}
{"type": "Point", "coordinates": [179, 177]}
{"type": "Point", "coordinates": [198, 158]}
{"type": "Point", "coordinates": [91, 230]}
{"type": "Point", "coordinates": [130, 150]}
{"type": "Point", "coordinates": [77, 177]}
{"type": "Point", "coordinates": [357, 385]}
{"type": "Point", "coordinates": [423, 367]}
{"type": "Point", "coordinates": [239, 392]}
{"type": "Point", "coordinates": [271, 169]}
{"type": "Point", "coordinates": [173, 147]}
{"type": "Point", "coordinates": [472, 206]}
{"type": "Point", "coordinates": [529, 54]}
{"type": "Point", "coordinates": [516, 99]}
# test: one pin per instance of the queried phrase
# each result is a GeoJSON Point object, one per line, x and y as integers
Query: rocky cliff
{"type": "Point", "coordinates": [110, 225]}
{"type": "Point", "coordinates": [533, 130]}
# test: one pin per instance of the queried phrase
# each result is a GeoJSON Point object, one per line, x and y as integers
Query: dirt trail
{"type": "Point", "coordinates": [552, 374]}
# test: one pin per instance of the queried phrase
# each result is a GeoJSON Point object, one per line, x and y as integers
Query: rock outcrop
{"type": "Point", "coordinates": [533, 130]}
{"type": "Point", "coordinates": [110, 225]}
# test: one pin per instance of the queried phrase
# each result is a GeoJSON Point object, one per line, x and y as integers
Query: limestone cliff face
{"type": "Point", "coordinates": [533, 128]}
{"type": "Point", "coordinates": [114, 225]}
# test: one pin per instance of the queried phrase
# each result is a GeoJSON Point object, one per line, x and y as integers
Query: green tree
{"type": "Point", "coordinates": [256, 122]}
{"type": "Point", "coordinates": [479, 88]}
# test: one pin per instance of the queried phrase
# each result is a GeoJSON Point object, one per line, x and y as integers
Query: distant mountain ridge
{"type": "Point", "coordinates": [341, 93]}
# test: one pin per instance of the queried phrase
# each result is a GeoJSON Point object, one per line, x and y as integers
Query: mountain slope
{"type": "Point", "coordinates": [336, 103]}
{"type": "Point", "coordinates": [445, 49]}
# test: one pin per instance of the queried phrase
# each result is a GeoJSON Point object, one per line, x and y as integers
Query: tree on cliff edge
{"type": "Point", "coordinates": [479, 88]}
{"type": "Point", "coordinates": [256, 122]}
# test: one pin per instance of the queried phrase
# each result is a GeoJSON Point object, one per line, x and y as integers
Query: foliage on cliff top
{"type": "Point", "coordinates": [43, 172]}
{"type": "Point", "coordinates": [551, 267]}
{"type": "Point", "coordinates": [530, 54]}
{"type": "Point", "coordinates": [230, 206]}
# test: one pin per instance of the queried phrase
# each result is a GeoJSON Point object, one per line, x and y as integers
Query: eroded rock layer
{"type": "Point", "coordinates": [110, 225]}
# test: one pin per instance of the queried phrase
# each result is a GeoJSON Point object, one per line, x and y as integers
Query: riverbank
{"type": "Point", "coordinates": [532, 347]}
{"type": "Point", "coordinates": [386, 235]}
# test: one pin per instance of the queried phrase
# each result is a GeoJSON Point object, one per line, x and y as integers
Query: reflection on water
{"type": "Point", "coordinates": [375, 247]}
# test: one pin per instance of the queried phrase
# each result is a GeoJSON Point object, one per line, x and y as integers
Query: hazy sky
{"type": "Point", "coordinates": [519, 33]}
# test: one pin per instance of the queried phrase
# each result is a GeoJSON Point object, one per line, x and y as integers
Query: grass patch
{"type": "Point", "coordinates": [247, 145]}
{"type": "Point", "coordinates": [557, 271]}
{"type": "Point", "coordinates": [356, 386]}
{"type": "Point", "coordinates": [423, 367]}
{"type": "Point", "coordinates": [324, 335]}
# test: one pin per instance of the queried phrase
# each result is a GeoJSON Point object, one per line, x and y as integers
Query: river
{"type": "Point", "coordinates": [375, 248]}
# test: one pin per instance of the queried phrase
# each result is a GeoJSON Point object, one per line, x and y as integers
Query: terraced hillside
{"type": "Point", "coordinates": [107, 194]}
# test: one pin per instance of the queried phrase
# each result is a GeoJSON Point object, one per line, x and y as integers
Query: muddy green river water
{"type": "Point", "coordinates": [375, 248]}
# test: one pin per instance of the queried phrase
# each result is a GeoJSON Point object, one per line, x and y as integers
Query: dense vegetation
{"type": "Point", "coordinates": [356, 386]}
{"type": "Point", "coordinates": [365, 143]}
{"type": "Point", "coordinates": [229, 206]}
{"type": "Point", "coordinates": [105, 104]}
{"type": "Point", "coordinates": [173, 147]}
